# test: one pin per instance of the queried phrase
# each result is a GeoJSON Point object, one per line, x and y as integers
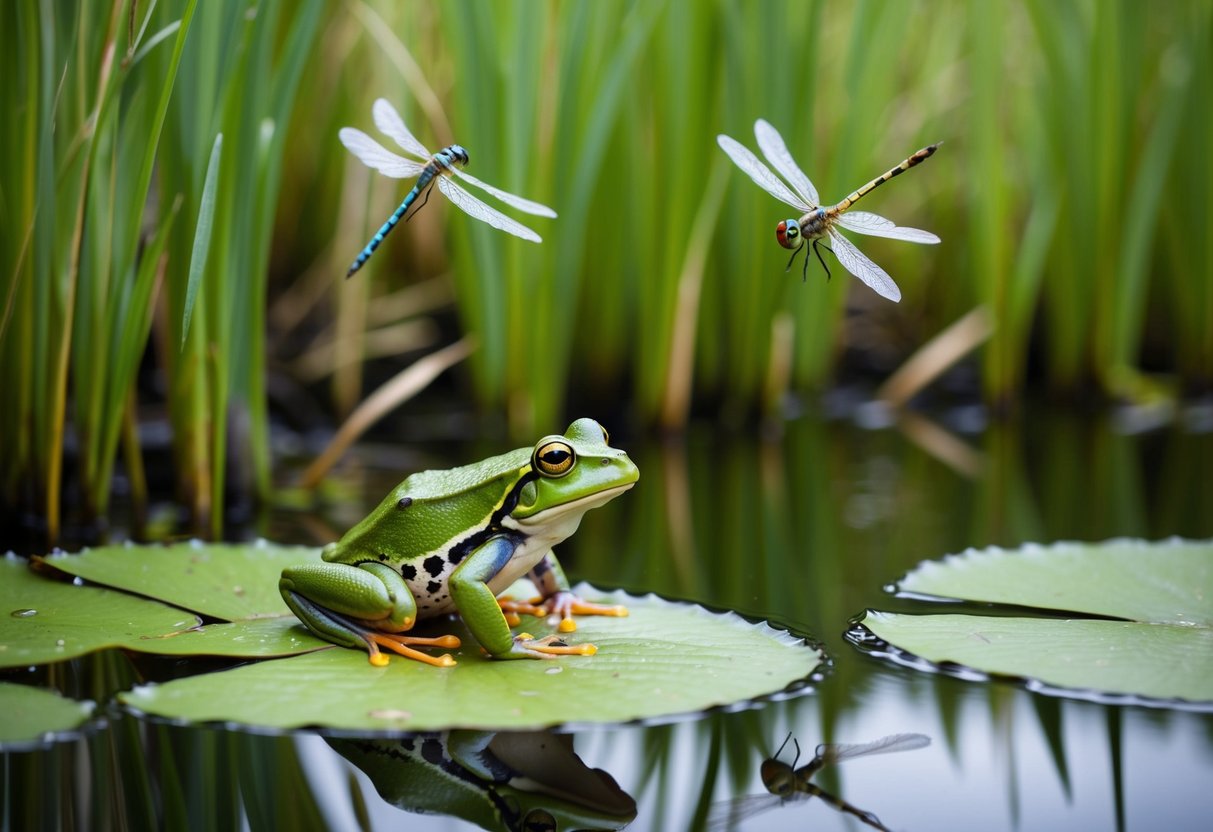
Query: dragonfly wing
{"type": "Point", "coordinates": [773, 147]}
{"type": "Point", "coordinates": [506, 197]}
{"type": "Point", "coordinates": [760, 173]}
{"type": "Point", "coordinates": [482, 212]}
{"type": "Point", "coordinates": [391, 124]}
{"type": "Point", "coordinates": [728, 814]}
{"type": "Point", "coordinates": [374, 155]}
{"type": "Point", "coordinates": [885, 745]}
{"type": "Point", "coordinates": [858, 264]}
{"type": "Point", "coordinates": [863, 222]}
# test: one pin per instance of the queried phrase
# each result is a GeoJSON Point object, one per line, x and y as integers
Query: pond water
{"type": "Point", "coordinates": [805, 529]}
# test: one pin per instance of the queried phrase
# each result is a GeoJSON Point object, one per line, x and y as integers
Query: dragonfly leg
{"type": "Point", "coordinates": [792, 260]}
{"type": "Point", "coordinates": [424, 200]}
{"type": "Point", "coordinates": [820, 259]}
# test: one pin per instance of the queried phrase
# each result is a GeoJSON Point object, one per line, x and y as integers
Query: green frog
{"type": "Point", "coordinates": [452, 541]}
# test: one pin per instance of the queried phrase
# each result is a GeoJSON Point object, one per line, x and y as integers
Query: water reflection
{"type": "Point", "coordinates": [526, 781]}
{"type": "Point", "coordinates": [786, 783]}
{"type": "Point", "coordinates": [805, 531]}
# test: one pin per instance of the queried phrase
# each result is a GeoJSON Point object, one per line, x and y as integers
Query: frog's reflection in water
{"type": "Point", "coordinates": [528, 780]}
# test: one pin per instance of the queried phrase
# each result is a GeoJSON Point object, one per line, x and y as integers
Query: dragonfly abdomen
{"type": "Point", "coordinates": [918, 158]}
{"type": "Point", "coordinates": [422, 181]}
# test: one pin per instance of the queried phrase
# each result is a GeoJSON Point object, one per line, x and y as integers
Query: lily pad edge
{"type": "Point", "coordinates": [869, 643]}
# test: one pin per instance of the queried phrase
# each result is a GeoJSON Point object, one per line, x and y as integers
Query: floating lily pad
{"type": "Point", "coordinates": [666, 658]}
{"type": "Point", "coordinates": [50, 620]}
{"type": "Point", "coordinates": [44, 620]}
{"type": "Point", "coordinates": [1153, 636]}
{"type": "Point", "coordinates": [31, 716]}
{"type": "Point", "coordinates": [261, 638]}
{"type": "Point", "coordinates": [234, 582]}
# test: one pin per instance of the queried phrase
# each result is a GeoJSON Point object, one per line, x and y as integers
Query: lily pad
{"type": "Point", "coordinates": [44, 621]}
{"type": "Point", "coordinates": [50, 620]}
{"type": "Point", "coordinates": [1152, 637]}
{"type": "Point", "coordinates": [31, 716]}
{"type": "Point", "coordinates": [665, 658]}
{"type": "Point", "coordinates": [261, 638]}
{"type": "Point", "coordinates": [234, 582]}
{"type": "Point", "coordinates": [1170, 582]}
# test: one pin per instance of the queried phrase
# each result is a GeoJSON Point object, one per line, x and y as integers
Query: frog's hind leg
{"type": "Point", "coordinates": [364, 607]}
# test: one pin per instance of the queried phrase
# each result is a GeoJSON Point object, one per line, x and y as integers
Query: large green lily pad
{"type": "Point", "coordinates": [664, 659]}
{"type": "Point", "coordinates": [1153, 637]}
{"type": "Point", "coordinates": [50, 620]}
{"type": "Point", "coordinates": [233, 582]}
{"type": "Point", "coordinates": [31, 716]}
{"type": "Point", "coordinates": [44, 620]}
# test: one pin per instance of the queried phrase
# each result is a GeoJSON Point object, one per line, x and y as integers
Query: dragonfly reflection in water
{"type": "Point", "coordinates": [818, 221]}
{"type": "Point", "coordinates": [786, 783]}
{"type": "Point", "coordinates": [438, 166]}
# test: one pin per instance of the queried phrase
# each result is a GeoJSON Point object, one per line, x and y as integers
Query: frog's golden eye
{"type": "Point", "coordinates": [554, 458]}
{"type": "Point", "coordinates": [539, 820]}
{"type": "Point", "coordinates": [606, 437]}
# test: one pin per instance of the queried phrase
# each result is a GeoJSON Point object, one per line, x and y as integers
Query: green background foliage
{"type": "Point", "coordinates": [174, 195]}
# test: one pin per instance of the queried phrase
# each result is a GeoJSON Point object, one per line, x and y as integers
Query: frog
{"type": "Point", "coordinates": [451, 541]}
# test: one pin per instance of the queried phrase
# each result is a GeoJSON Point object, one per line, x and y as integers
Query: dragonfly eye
{"type": "Point", "coordinates": [461, 155]}
{"type": "Point", "coordinates": [788, 234]}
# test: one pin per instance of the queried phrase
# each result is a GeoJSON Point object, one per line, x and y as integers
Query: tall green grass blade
{"type": "Point", "coordinates": [305, 20]}
{"type": "Point", "coordinates": [202, 236]}
{"type": "Point", "coordinates": [989, 217]}
{"type": "Point", "coordinates": [1119, 349]}
{"type": "Point", "coordinates": [152, 42]}
{"type": "Point", "coordinates": [131, 323]}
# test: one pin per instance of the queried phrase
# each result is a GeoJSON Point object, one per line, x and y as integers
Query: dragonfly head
{"type": "Point", "coordinates": [788, 234]}
{"type": "Point", "coordinates": [460, 154]}
{"type": "Point", "coordinates": [778, 778]}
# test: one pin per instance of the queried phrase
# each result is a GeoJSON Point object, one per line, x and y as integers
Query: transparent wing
{"type": "Point", "coordinates": [482, 212]}
{"type": "Point", "coordinates": [506, 197]}
{"type": "Point", "coordinates": [863, 222]}
{"type": "Point", "coordinates": [727, 814]}
{"type": "Point", "coordinates": [760, 173]}
{"type": "Point", "coordinates": [772, 146]}
{"type": "Point", "coordinates": [857, 263]}
{"type": "Point", "coordinates": [374, 155]}
{"type": "Point", "coordinates": [884, 745]}
{"type": "Point", "coordinates": [391, 124]}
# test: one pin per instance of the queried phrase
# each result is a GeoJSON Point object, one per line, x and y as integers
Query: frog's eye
{"type": "Point", "coordinates": [539, 820]}
{"type": "Point", "coordinates": [606, 437]}
{"type": "Point", "coordinates": [554, 458]}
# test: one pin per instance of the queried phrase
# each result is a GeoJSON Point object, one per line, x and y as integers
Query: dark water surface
{"type": "Point", "coordinates": [804, 530]}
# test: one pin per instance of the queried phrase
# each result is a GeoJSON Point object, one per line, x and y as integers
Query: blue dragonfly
{"type": "Point", "coordinates": [440, 167]}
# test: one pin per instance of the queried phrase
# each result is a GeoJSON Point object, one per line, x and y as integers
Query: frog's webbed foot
{"type": "Point", "coordinates": [400, 645]}
{"type": "Point", "coordinates": [549, 647]}
{"type": "Point", "coordinates": [563, 604]}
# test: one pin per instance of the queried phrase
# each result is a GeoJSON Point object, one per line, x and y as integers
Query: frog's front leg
{"type": "Point", "coordinates": [481, 613]}
{"type": "Point", "coordinates": [557, 599]}
{"type": "Point", "coordinates": [366, 606]}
